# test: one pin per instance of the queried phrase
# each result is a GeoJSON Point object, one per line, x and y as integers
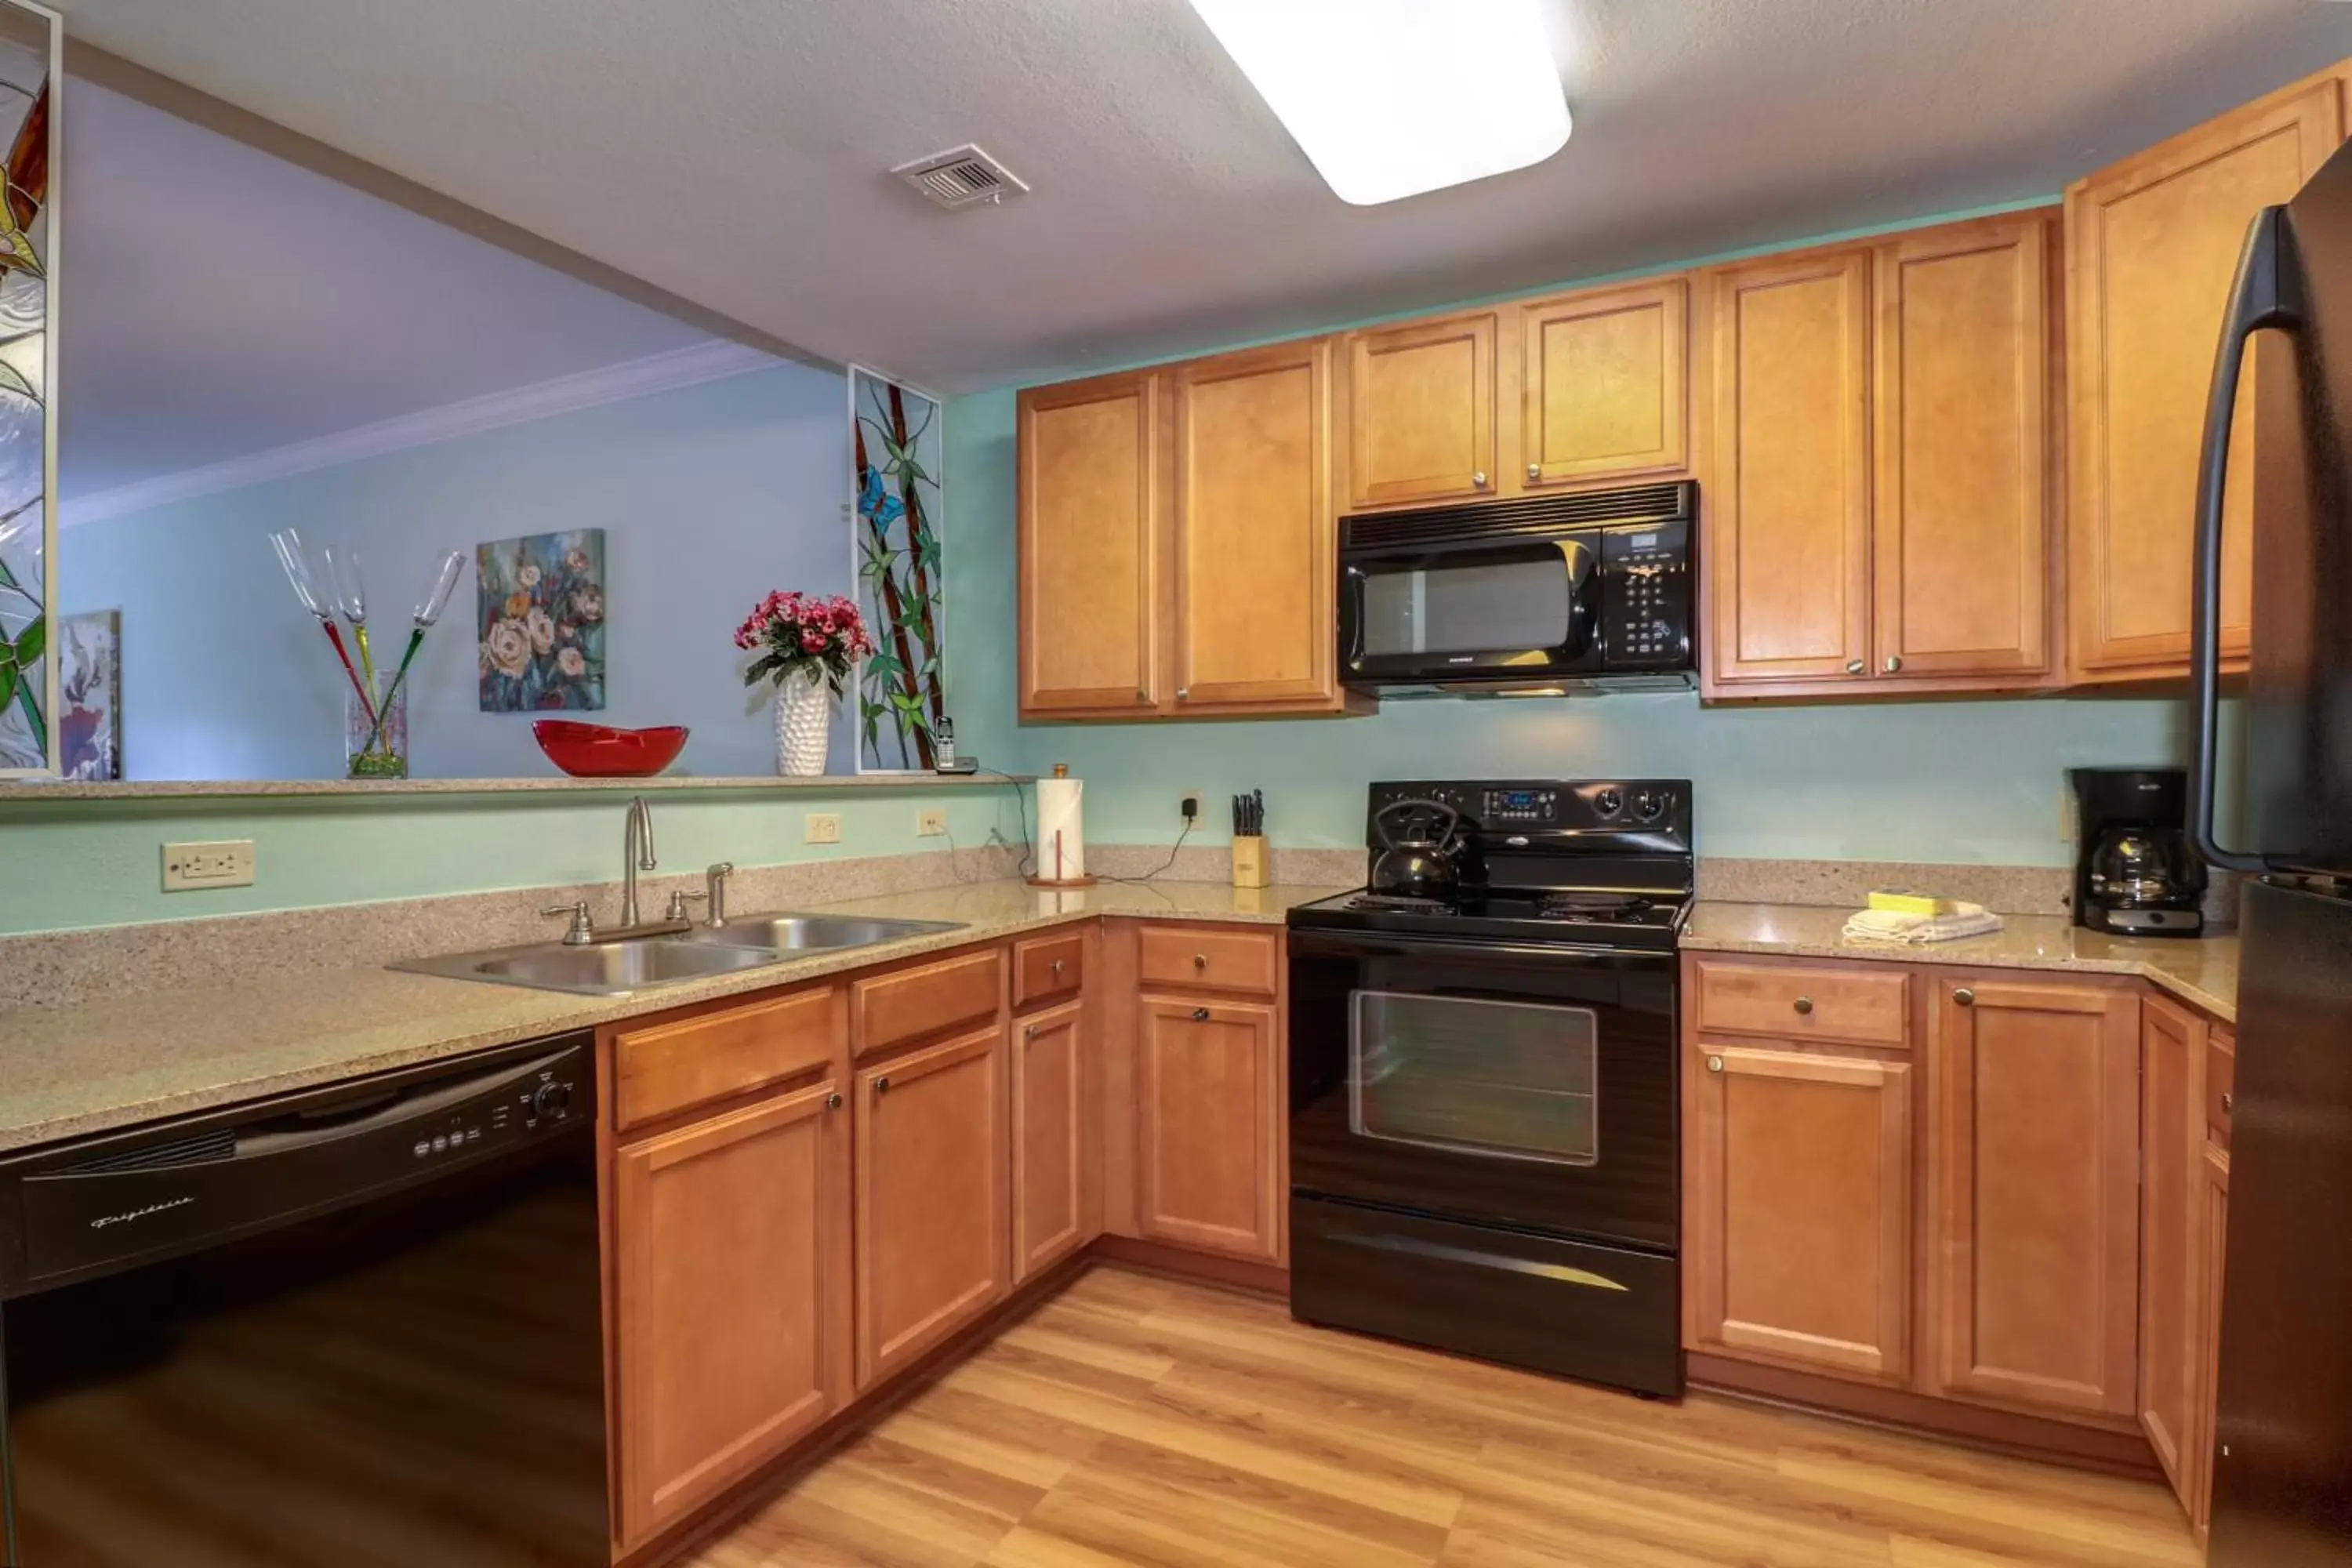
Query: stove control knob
{"type": "Point", "coordinates": [1610, 802]}
{"type": "Point", "coordinates": [553, 1097]}
{"type": "Point", "coordinates": [1649, 805]}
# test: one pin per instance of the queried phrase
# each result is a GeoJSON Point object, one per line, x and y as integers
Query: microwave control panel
{"type": "Point", "coordinates": [1645, 620]}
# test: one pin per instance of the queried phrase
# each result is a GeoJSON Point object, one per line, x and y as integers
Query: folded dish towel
{"type": "Point", "coordinates": [1912, 929]}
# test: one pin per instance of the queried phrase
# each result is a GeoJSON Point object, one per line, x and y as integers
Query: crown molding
{"type": "Point", "coordinates": [713, 361]}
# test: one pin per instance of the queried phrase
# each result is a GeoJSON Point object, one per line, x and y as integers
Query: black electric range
{"type": "Point", "coordinates": [1485, 1131]}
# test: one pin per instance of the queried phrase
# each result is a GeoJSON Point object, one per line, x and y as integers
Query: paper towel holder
{"type": "Point", "coordinates": [1061, 770]}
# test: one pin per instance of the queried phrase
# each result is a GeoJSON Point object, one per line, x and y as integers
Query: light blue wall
{"type": "Point", "coordinates": [1979, 782]}
{"type": "Point", "coordinates": [709, 495]}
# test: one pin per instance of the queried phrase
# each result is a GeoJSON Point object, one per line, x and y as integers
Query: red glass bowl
{"type": "Point", "coordinates": [601, 752]}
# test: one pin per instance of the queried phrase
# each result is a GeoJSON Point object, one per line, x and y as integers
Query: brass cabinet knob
{"type": "Point", "coordinates": [1893, 663]}
{"type": "Point", "coordinates": [1200, 961]}
{"type": "Point", "coordinates": [1714, 1064]}
{"type": "Point", "coordinates": [1057, 966]}
{"type": "Point", "coordinates": [2229, 1103]}
{"type": "Point", "coordinates": [1965, 998]}
{"type": "Point", "coordinates": [1478, 480]}
{"type": "Point", "coordinates": [832, 1101]}
{"type": "Point", "coordinates": [1534, 470]}
{"type": "Point", "coordinates": [1199, 1015]}
{"type": "Point", "coordinates": [1855, 667]}
{"type": "Point", "coordinates": [1184, 692]}
{"type": "Point", "coordinates": [1028, 1031]}
{"type": "Point", "coordinates": [1804, 1004]}
{"type": "Point", "coordinates": [882, 1084]}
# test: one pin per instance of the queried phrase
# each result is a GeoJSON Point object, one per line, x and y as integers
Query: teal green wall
{"type": "Point", "coordinates": [70, 864]}
{"type": "Point", "coordinates": [1979, 782]}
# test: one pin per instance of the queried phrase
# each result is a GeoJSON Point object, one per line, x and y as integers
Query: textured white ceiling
{"type": "Point", "coordinates": [221, 302]}
{"type": "Point", "coordinates": [733, 151]}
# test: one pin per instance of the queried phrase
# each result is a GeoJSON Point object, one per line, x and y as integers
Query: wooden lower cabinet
{"type": "Point", "coordinates": [933, 1169]}
{"type": "Point", "coordinates": [2212, 1245]}
{"type": "Point", "coordinates": [1798, 1244]}
{"type": "Point", "coordinates": [2172, 1145]}
{"type": "Point", "coordinates": [2033, 1194]}
{"type": "Point", "coordinates": [731, 1298]}
{"type": "Point", "coordinates": [1052, 1205]}
{"type": "Point", "coordinates": [1209, 1124]}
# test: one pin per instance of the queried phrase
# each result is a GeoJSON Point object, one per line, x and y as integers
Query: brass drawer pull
{"type": "Point", "coordinates": [1200, 961]}
{"type": "Point", "coordinates": [1965, 998]}
{"type": "Point", "coordinates": [1804, 1004]}
{"type": "Point", "coordinates": [882, 1084]}
{"type": "Point", "coordinates": [1199, 1015]}
{"type": "Point", "coordinates": [2229, 1103]}
{"type": "Point", "coordinates": [1057, 966]}
{"type": "Point", "coordinates": [1714, 1064]}
{"type": "Point", "coordinates": [832, 1101]}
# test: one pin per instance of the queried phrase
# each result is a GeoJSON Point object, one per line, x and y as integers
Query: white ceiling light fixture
{"type": "Point", "coordinates": [1391, 98]}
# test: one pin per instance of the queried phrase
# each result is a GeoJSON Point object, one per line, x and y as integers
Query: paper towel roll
{"type": "Point", "coordinates": [1061, 829]}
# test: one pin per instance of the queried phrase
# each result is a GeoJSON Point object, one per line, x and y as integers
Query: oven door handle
{"type": "Point", "coordinates": [1313, 944]}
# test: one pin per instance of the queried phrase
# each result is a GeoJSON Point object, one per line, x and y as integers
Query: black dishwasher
{"type": "Point", "coordinates": [355, 1328]}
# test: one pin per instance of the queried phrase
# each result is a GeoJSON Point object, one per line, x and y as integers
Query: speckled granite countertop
{"type": "Point", "coordinates": [69, 1071]}
{"type": "Point", "coordinates": [2203, 972]}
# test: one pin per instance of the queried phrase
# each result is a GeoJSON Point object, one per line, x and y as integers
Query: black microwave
{"type": "Point", "coordinates": [1572, 591]}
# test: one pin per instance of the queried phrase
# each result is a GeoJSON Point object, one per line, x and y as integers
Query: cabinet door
{"type": "Point", "coordinates": [1256, 540]}
{"type": "Point", "coordinates": [1421, 411]}
{"type": "Point", "coordinates": [1050, 1207]}
{"type": "Point", "coordinates": [1790, 559]}
{"type": "Point", "coordinates": [1799, 1246]}
{"type": "Point", "coordinates": [1962, 511]}
{"type": "Point", "coordinates": [730, 1298]}
{"type": "Point", "coordinates": [1209, 1118]}
{"type": "Point", "coordinates": [2033, 1203]}
{"type": "Point", "coordinates": [2152, 245]}
{"type": "Point", "coordinates": [932, 1245]}
{"type": "Point", "coordinates": [1090, 531]}
{"type": "Point", "coordinates": [1604, 384]}
{"type": "Point", "coordinates": [2172, 1151]}
{"type": "Point", "coordinates": [2213, 1245]}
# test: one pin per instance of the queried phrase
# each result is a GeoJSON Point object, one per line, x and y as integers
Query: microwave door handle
{"type": "Point", "coordinates": [2265, 295]}
{"type": "Point", "coordinates": [1582, 565]}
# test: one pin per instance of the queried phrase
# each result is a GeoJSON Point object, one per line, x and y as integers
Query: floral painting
{"type": "Point", "coordinates": [89, 696]}
{"type": "Point", "coordinates": [896, 435]}
{"type": "Point", "coordinates": [29, 741]}
{"type": "Point", "coordinates": [543, 622]}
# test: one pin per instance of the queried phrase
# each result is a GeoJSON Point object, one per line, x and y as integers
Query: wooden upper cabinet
{"type": "Point", "coordinates": [1799, 1195]}
{"type": "Point", "coordinates": [933, 1157]}
{"type": "Point", "coordinates": [2152, 245]}
{"type": "Point", "coordinates": [2033, 1194]}
{"type": "Point", "coordinates": [1421, 412]}
{"type": "Point", "coordinates": [1788, 552]}
{"type": "Point", "coordinates": [1209, 1126]}
{"type": "Point", "coordinates": [1963, 507]}
{"type": "Point", "coordinates": [1604, 379]}
{"type": "Point", "coordinates": [2172, 1181]}
{"type": "Point", "coordinates": [1090, 544]}
{"type": "Point", "coordinates": [731, 1323]}
{"type": "Point", "coordinates": [1257, 537]}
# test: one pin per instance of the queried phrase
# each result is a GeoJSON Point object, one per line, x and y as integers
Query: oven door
{"type": "Point", "coordinates": [1528, 608]}
{"type": "Point", "coordinates": [1527, 1087]}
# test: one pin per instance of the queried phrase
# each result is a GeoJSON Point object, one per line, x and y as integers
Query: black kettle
{"type": "Point", "coordinates": [1419, 849]}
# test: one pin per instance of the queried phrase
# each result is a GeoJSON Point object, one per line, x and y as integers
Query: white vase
{"type": "Point", "coordinates": [804, 716]}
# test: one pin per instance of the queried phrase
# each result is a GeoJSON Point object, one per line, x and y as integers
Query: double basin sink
{"type": "Point", "coordinates": [641, 964]}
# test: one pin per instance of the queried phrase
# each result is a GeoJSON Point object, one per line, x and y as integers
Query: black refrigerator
{"type": "Point", "coordinates": [2283, 1466]}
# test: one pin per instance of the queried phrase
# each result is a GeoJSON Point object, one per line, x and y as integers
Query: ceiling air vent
{"type": "Point", "coordinates": [960, 177]}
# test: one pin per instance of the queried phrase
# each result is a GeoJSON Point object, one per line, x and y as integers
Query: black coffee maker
{"type": "Point", "coordinates": [2136, 874]}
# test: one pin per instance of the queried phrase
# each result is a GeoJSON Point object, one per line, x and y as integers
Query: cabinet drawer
{"type": "Point", "coordinates": [1244, 960]}
{"type": "Point", "coordinates": [2221, 1082]}
{"type": "Point", "coordinates": [668, 1068]}
{"type": "Point", "coordinates": [1793, 1004]}
{"type": "Point", "coordinates": [1047, 968]}
{"type": "Point", "coordinates": [925, 1000]}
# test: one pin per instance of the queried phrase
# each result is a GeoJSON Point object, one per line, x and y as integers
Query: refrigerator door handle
{"type": "Point", "coordinates": [2267, 295]}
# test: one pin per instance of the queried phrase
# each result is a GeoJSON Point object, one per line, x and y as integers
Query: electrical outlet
{"type": "Point", "coordinates": [226, 863]}
{"type": "Point", "coordinates": [824, 827]}
{"type": "Point", "coordinates": [930, 824]}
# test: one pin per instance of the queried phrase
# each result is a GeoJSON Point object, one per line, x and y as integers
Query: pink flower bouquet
{"type": "Point", "coordinates": [801, 634]}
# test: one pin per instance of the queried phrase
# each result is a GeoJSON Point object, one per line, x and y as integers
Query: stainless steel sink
{"type": "Point", "coordinates": [801, 933]}
{"type": "Point", "coordinates": [647, 963]}
{"type": "Point", "coordinates": [597, 969]}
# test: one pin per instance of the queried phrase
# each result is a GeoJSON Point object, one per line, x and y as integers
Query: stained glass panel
{"type": "Point", "coordinates": [28, 667]}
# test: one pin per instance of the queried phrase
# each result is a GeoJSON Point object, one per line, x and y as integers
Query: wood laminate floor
{"type": "Point", "coordinates": [1135, 1420]}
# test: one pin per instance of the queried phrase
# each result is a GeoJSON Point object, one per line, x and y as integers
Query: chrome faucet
{"type": "Point", "coordinates": [637, 855]}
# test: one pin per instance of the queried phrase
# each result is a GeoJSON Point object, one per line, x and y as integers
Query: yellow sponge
{"type": "Point", "coordinates": [1912, 904]}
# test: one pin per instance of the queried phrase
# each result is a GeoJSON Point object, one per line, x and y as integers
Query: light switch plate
{"type": "Point", "coordinates": [223, 863]}
{"type": "Point", "coordinates": [930, 824]}
{"type": "Point", "coordinates": [824, 827]}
